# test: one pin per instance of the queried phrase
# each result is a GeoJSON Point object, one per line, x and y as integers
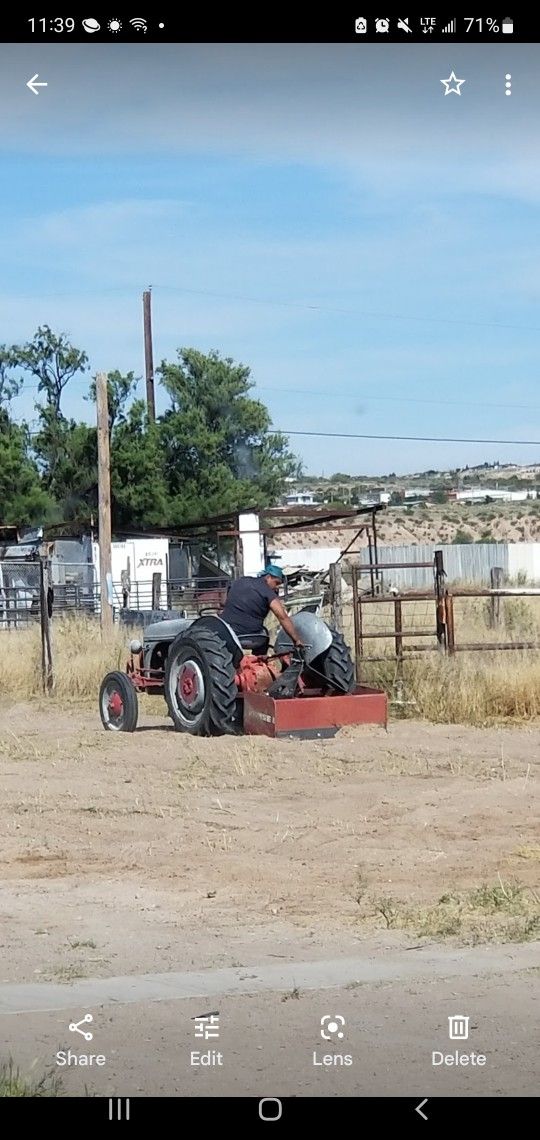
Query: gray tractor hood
{"type": "Point", "coordinates": [166, 630]}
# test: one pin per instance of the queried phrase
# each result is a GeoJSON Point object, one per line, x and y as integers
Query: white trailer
{"type": "Point", "coordinates": [133, 564]}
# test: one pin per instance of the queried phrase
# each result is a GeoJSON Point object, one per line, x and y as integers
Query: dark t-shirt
{"type": "Point", "coordinates": [248, 602]}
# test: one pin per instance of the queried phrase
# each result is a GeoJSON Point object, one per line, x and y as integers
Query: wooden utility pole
{"type": "Point", "coordinates": [149, 355]}
{"type": "Point", "coordinates": [104, 492]}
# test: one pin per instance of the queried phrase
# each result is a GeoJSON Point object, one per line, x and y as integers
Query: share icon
{"type": "Point", "coordinates": [74, 1027]}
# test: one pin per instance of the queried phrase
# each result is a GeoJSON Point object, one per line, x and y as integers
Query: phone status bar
{"type": "Point", "coordinates": [230, 27]}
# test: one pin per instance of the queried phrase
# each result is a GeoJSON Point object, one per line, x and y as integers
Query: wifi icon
{"type": "Point", "coordinates": [139, 25]}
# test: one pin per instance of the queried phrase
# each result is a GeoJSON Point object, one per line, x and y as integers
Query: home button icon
{"type": "Point", "coordinates": [270, 1108]}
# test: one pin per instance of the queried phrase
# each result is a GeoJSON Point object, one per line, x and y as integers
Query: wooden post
{"type": "Point", "coordinates": [375, 548]}
{"type": "Point", "coordinates": [357, 607]}
{"type": "Point", "coordinates": [156, 591]}
{"type": "Point", "coordinates": [336, 600]}
{"type": "Point", "coordinates": [43, 617]}
{"type": "Point", "coordinates": [496, 575]}
{"type": "Point", "coordinates": [398, 625]}
{"type": "Point", "coordinates": [149, 356]}
{"type": "Point", "coordinates": [450, 627]}
{"type": "Point", "coordinates": [440, 609]}
{"type": "Point", "coordinates": [104, 495]}
{"type": "Point", "coordinates": [370, 556]}
{"type": "Point", "coordinates": [47, 674]}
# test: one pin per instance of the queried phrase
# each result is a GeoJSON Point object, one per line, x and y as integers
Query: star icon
{"type": "Point", "coordinates": [453, 84]}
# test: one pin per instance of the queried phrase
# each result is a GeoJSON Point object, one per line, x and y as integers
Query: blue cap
{"type": "Point", "coordinates": [272, 569]}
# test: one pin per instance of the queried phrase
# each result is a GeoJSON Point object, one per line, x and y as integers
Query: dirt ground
{"type": "Point", "coordinates": [157, 851]}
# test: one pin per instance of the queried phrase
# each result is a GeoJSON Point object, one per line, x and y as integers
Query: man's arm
{"type": "Point", "coordinates": [284, 620]}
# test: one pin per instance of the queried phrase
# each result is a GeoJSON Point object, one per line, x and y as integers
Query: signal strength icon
{"type": "Point", "coordinates": [139, 25]}
{"type": "Point", "coordinates": [450, 29]}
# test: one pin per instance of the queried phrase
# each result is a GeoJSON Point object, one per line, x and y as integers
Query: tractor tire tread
{"type": "Point", "coordinates": [221, 707]}
{"type": "Point", "coordinates": [129, 698]}
{"type": "Point", "coordinates": [337, 665]}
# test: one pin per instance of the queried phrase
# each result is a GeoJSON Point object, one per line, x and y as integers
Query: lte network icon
{"type": "Point", "coordinates": [458, 1027]}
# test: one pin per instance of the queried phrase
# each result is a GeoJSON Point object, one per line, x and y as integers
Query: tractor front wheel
{"type": "Point", "coordinates": [118, 704]}
{"type": "Point", "coordinates": [200, 689]}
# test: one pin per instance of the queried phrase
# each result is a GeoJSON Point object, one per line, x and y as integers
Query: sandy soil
{"type": "Point", "coordinates": [159, 851]}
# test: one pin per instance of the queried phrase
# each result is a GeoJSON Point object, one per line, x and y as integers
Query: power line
{"type": "Point", "coordinates": [410, 438]}
{"type": "Point", "coordinates": [368, 397]}
{"type": "Point", "coordinates": [364, 398]}
{"type": "Point", "coordinates": [345, 312]}
{"type": "Point", "coordinates": [399, 438]}
{"type": "Point", "coordinates": [280, 304]}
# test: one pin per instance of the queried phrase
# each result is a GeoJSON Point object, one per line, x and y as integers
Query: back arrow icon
{"type": "Point", "coordinates": [419, 1108]}
{"type": "Point", "coordinates": [33, 85]}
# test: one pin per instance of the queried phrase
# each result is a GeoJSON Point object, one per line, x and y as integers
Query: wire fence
{"type": "Point", "coordinates": [75, 589]}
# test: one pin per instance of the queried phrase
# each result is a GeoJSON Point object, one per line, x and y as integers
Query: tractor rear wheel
{"type": "Point", "coordinates": [118, 704]}
{"type": "Point", "coordinates": [200, 689]}
{"type": "Point", "coordinates": [336, 665]}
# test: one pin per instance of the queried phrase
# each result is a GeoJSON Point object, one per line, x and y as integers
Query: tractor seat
{"type": "Point", "coordinates": [257, 642]}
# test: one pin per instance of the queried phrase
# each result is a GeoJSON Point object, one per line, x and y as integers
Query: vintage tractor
{"type": "Point", "coordinates": [215, 682]}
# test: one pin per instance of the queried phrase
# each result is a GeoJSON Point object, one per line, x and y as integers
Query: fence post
{"type": "Point", "coordinates": [398, 625]}
{"type": "Point", "coordinates": [439, 598]}
{"type": "Point", "coordinates": [370, 556]}
{"type": "Point", "coordinates": [450, 627]}
{"type": "Point", "coordinates": [357, 612]}
{"type": "Point", "coordinates": [47, 676]}
{"type": "Point", "coordinates": [336, 602]}
{"type": "Point", "coordinates": [156, 591]}
{"type": "Point", "coordinates": [496, 575]}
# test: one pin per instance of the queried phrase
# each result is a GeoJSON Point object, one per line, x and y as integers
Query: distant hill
{"type": "Point", "coordinates": [433, 523]}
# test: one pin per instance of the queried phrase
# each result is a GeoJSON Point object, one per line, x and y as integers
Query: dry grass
{"type": "Point", "coordinates": [504, 912]}
{"type": "Point", "coordinates": [478, 689]}
{"type": "Point", "coordinates": [471, 688]}
{"type": "Point", "coordinates": [81, 659]}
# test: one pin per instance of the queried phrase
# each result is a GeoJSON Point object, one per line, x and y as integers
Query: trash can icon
{"type": "Point", "coordinates": [508, 26]}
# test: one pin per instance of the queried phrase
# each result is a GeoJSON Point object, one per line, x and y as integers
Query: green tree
{"type": "Point", "coordinates": [10, 385]}
{"type": "Point", "coordinates": [52, 360]}
{"type": "Point", "coordinates": [120, 388]}
{"type": "Point", "coordinates": [139, 486]}
{"type": "Point", "coordinates": [22, 497]}
{"type": "Point", "coordinates": [220, 453]}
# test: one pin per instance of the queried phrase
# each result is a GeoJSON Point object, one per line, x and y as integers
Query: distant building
{"type": "Point", "coordinates": [375, 498]}
{"type": "Point", "coordinates": [495, 494]}
{"type": "Point", "coordinates": [418, 493]}
{"type": "Point", "coordinates": [300, 499]}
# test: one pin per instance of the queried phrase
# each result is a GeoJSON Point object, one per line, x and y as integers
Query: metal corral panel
{"type": "Point", "coordinates": [524, 560]}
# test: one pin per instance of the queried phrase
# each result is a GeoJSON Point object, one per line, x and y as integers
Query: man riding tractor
{"type": "Point", "coordinates": [208, 667]}
{"type": "Point", "coordinates": [249, 600]}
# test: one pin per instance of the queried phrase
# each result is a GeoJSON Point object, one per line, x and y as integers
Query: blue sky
{"type": "Point", "coordinates": [321, 212]}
